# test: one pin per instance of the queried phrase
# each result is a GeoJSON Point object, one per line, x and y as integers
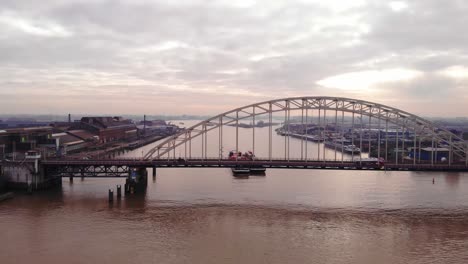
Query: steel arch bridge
{"type": "Point", "coordinates": [412, 130]}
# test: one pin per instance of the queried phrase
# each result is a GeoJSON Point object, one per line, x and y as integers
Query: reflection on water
{"type": "Point", "coordinates": [208, 216]}
{"type": "Point", "coordinates": [452, 179]}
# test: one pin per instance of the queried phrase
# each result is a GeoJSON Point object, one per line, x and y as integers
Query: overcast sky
{"type": "Point", "coordinates": [205, 57]}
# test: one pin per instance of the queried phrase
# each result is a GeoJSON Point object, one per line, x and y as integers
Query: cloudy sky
{"type": "Point", "coordinates": [204, 57]}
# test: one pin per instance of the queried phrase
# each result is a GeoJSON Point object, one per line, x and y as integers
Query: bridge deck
{"type": "Point", "coordinates": [225, 163]}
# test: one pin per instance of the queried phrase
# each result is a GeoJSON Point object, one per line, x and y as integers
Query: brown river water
{"type": "Point", "coordinates": [205, 215]}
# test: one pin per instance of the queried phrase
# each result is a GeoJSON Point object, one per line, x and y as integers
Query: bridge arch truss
{"type": "Point", "coordinates": [334, 108]}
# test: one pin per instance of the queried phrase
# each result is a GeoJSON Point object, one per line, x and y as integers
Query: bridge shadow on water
{"type": "Point", "coordinates": [137, 201]}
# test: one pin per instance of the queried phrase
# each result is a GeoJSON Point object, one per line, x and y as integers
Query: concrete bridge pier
{"type": "Point", "coordinates": [137, 180]}
{"type": "Point", "coordinates": [28, 175]}
{"type": "Point", "coordinates": [154, 173]}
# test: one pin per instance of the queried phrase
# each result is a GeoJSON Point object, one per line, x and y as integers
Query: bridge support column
{"type": "Point", "coordinates": [137, 180]}
{"type": "Point", "coordinates": [154, 173]}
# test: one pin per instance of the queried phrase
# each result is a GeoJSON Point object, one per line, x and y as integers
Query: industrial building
{"type": "Point", "coordinates": [73, 141]}
{"type": "Point", "coordinates": [65, 137]}
{"type": "Point", "coordinates": [429, 153]}
{"type": "Point", "coordinates": [108, 129]}
{"type": "Point", "coordinates": [15, 141]}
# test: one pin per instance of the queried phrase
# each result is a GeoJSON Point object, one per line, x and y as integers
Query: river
{"type": "Point", "coordinates": [205, 215]}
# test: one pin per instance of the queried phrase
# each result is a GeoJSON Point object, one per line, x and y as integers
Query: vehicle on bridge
{"type": "Point", "coordinates": [244, 170]}
{"type": "Point", "coordinates": [234, 155]}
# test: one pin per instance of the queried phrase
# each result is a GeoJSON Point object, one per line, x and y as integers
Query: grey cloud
{"type": "Point", "coordinates": [431, 94]}
{"type": "Point", "coordinates": [425, 25]}
{"type": "Point", "coordinates": [164, 51]}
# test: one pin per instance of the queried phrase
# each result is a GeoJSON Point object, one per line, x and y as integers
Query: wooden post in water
{"type": "Point", "coordinates": [119, 191]}
{"type": "Point", "coordinates": [111, 195]}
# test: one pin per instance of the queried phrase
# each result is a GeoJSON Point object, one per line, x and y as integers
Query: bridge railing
{"type": "Point", "coordinates": [207, 158]}
{"type": "Point", "coordinates": [273, 159]}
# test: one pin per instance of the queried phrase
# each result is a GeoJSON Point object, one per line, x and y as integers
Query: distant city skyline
{"type": "Point", "coordinates": [140, 57]}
